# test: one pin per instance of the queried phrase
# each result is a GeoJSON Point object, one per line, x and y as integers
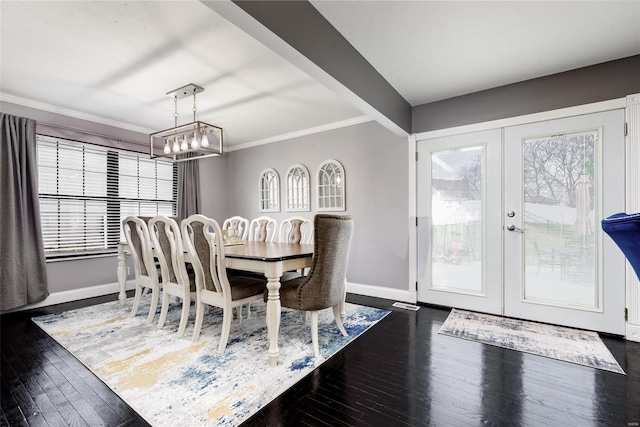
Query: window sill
{"type": "Point", "coordinates": [59, 258]}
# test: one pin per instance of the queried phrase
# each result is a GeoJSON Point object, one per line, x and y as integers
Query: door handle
{"type": "Point", "coordinates": [512, 227]}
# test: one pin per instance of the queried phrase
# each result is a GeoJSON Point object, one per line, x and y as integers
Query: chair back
{"type": "Point", "coordinates": [237, 226]}
{"type": "Point", "coordinates": [203, 240]}
{"type": "Point", "coordinates": [167, 239]}
{"type": "Point", "coordinates": [136, 234]}
{"type": "Point", "coordinates": [296, 229]}
{"type": "Point", "coordinates": [324, 285]}
{"type": "Point", "coordinates": [262, 229]}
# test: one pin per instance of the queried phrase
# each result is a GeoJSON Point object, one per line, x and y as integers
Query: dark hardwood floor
{"type": "Point", "coordinates": [401, 372]}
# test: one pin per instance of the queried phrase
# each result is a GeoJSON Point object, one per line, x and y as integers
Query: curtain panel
{"type": "Point", "coordinates": [23, 269]}
{"type": "Point", "coordinates": [188, 188]}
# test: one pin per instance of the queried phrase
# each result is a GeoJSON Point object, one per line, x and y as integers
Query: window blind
{"type": "Point", "coordinates": [87, 190]}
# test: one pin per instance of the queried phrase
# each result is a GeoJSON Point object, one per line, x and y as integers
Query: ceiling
{"type": "Point", "coordinates": [114, 61]}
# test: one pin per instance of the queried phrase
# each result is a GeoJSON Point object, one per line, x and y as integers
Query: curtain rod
{"type": "Point", "coordinates": [92, 133]}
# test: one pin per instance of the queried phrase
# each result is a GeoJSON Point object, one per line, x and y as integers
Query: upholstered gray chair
{"type": "Point", "coordinates": [146, 273]}
{"type": "Point", "coordinates": [324, 286]}
{"type": "Point", "coordinates": [176, 280]}
{"type": "Point", "coordinates": [203, 239]}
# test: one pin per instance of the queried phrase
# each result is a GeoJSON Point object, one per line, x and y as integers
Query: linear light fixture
{"type": "Point", "coordinates": [191, 141]}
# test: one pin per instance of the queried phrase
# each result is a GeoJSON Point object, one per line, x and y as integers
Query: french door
{"type": "Point", "coordinates": [509, 221]}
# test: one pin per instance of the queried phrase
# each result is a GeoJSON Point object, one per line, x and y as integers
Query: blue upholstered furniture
{"type": "Point", "coordinates": [624, 229]}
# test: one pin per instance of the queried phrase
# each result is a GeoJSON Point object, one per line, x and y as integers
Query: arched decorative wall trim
{"type": "Point", "coordinates": [269, 191]}
{"type": "Point", "coordinates": [298, 189]}
{"type": "Point", "coordinates": [331, 184]}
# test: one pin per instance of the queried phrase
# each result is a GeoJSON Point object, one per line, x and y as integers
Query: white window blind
{"type": "Point", "coordinates": [87, 190]}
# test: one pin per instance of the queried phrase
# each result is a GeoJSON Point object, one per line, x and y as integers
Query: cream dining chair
{"type": "Point", "coordinates": [203, 239]}
{"type": "Point", "coordinates": [136, 234]}
{"type": "Point", "coordinates": [262, 229]}
{"type": "Point", "coordinates": [176, 280]}
{"type": "Point", "coordinates": [236, 226]}
{"type": "Point", "coordinates": [296, 229]}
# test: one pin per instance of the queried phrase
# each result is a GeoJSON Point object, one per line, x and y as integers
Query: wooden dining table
{"type": "Point", "coordinates": [269, 259]}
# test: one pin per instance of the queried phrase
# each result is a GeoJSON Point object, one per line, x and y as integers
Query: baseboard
{"type": "Point", "coordinates": [76, 294]}
{"type": "Point", "coordinates": [382, 292]}
{"type": "Point", "coordinates": [633, 333]}
{"type": "Point", "coordinates": [112, 288]}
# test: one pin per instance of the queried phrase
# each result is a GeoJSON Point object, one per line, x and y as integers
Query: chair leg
{"type": "Point", "coordinates": [314, 333]}
{"type": "Point", "coordinates": [185, 316]}
{"type": "Point", "coordinates": [249, 311]}
{"type": "Point", "coordinates": [164, 310]}
{"type": "Point", "coordinates": [198, 324]}
{"type": "Point", "coordinates": [154, 304]}
{"type": "Point", "coordinates": [338, 317]}
{"type": "Point", "coordinates": [136, 301]}
{"type": "Point", "coordinates": [227, 314]}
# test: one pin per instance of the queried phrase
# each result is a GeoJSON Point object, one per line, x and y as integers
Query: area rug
{"type": "Point", "coordinates": [570, 345]}
{"type": "Point", "coordinates": [172, 381]}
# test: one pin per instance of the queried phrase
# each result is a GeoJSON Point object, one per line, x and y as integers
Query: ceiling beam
{"type": "Point", "coordinates": [300, 34]}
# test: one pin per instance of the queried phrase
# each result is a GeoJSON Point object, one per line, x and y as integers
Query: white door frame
{"type": "Point", "coordinates": [632, 154]}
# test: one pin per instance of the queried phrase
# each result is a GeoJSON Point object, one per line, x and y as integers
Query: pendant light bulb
{"type": "Point", "coordinates": [205, 141]}
{"type": "Point", "coordinates": [185, 145]}
{"type": "Point", "coordinates": [167, 148]}
{"type": "Point", "coordinates": [176, 146]}
{"type": "Point", "coordinates": [194, 141]}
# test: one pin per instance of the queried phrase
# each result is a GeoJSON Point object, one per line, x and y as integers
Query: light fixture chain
{"type": "Point", "coordinates": [195, 109]}
{"type": "Point", "coordinates": [175, 109]}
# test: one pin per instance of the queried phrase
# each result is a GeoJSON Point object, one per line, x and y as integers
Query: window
{"type": "Point", "coordinates": [331, 185]}
{"type": "Point", "coordinates": [298, 189]}
{"type": "Point", "coordinates": [269, 191]}
{"type": "Point", "coordinates": [86, 191]}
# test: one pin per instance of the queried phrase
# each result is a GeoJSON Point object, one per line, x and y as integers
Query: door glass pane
{"type": "Point", "coordinates": [457, 184]}
{"type": "Point", "coordinates": [560, 176]}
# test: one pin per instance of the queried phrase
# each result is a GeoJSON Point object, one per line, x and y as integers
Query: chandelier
{"type": "Point", "coordinates": [191, 141]}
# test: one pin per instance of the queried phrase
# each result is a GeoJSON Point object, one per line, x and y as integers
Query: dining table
{"type": "Point", "coordinates": [268, 258]}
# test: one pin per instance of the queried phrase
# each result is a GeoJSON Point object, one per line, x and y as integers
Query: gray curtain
{"type": "Point", "coordinates": [23, 269]}
{"type": "Point", "coordinates": [188, 188]}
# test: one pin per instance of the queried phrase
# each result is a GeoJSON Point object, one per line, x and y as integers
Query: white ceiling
{"type": "Point", "coordinates": [113, 62]}
{"type": "Point", "coordinates": [433, 50]}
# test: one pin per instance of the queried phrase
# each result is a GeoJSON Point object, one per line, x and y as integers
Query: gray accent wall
{"type": "Point", "coordinates": [601, 82]}
{"type": "Point", "coordinates": [375, 163]}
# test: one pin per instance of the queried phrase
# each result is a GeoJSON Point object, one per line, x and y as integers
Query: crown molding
{"type": "Point", "coordinates": [96, 119]}
{"type": "Point", "coordinates": [71, 113]}
{"type": "Point", "coordinates": [303, 132]}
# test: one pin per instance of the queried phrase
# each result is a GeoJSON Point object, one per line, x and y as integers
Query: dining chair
{"type": "Point", "coordinates": [236, 225]}
{"type": "Point", "coordinates": [296, 229]}
{"type": "Point", "coordinates": [176, 280]}
{"type": "Point", "coordinates": [136, 234]}
{"type": "Point", "coordinates": [203, 239]}
{"type": "Point", "coordinates": [546, 257]}
{"type": "Point", "coordinates": [324, 286]}
{"type": "Point", "coordinates": [262, 229]}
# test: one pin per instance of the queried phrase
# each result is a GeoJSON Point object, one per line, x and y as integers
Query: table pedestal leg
{"type": "Point", "coordinates": [273, 318]}
{"type": "Point", "coordinates": [122, 272]}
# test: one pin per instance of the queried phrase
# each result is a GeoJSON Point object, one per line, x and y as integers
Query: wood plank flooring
{"type": "Point", "coordinates": [399, 373]}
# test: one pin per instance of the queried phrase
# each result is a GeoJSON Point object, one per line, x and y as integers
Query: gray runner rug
{"type": "Point", "coordinates": [556, 342]}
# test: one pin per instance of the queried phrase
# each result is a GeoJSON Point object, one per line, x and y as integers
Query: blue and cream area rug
{"type": "Point", "coordinates": [556, 342]}
{"type": "Point", "coordinates": [172, 381]}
